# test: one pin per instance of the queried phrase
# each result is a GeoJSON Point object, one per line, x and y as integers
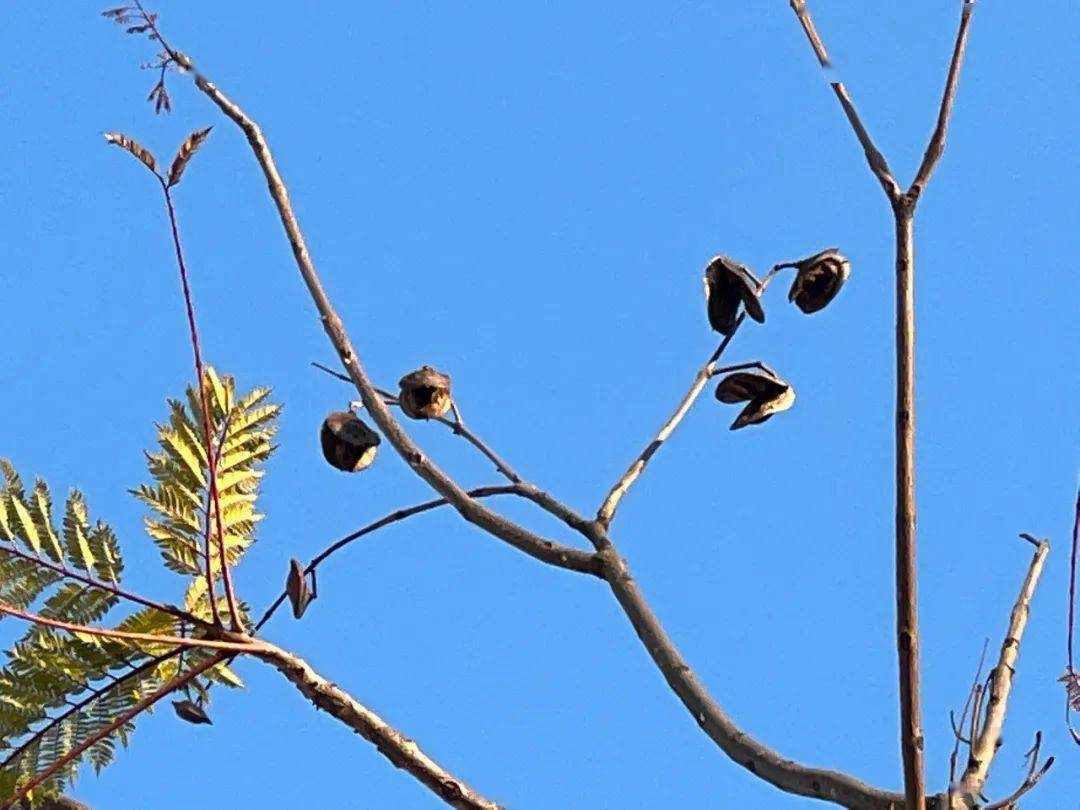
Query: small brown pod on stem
{"type": "Point", "coordinates": [425, 394]}
{"type": "Point", "coordinates": [347, 443]}
{"type": "Point", "coordinates": [765, 395]}
{"type": "Point", "coordinates": [818, 279]}
{"type": "Point", "coordinates": [191, 712]}
{"type": "Point", "coordinates": [730, 285]}
{"type": "Point", "coordinates": [296, 587]}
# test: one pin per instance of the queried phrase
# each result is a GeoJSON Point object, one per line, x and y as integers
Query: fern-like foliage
{"type": "Point", "coordinates": [48, 672]}
{"type": "Point", "coordinates": [242, 431]}
{"type": "Point", "coordinates": [58, 690]}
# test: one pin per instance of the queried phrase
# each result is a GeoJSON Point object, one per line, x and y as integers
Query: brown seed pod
{"type": "Point", "coordinates": [765, 395]}
{"type": "Point", "coordinates": [819, 279]}
{"type": "Point", "coordinates": [728, 285]}
{"type": "Point", "coordinates": [191, 712]}
{"type": "Point", "coordinates": [296, 588]}
{"type": "Point", "coordinates": [425, 394]}
{"type": "Point", "coordinates": [347, 443]}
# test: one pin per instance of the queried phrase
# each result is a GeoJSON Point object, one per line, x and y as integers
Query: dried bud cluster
{"type": "Point", "coordinates": [347, 443]}
{"type": "Point", "coordinates": [765, 395]}
{"type": "Point", "coordinates": [425, 394]}
{"type": "Point", "coordinates": [729, 286]}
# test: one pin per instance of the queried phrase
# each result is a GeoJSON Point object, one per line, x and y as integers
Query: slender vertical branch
{"type": "Point", "coordinates": [807, 23]}
{"type": "Point", "coordinates": [211, 456]}
{"type": "Point", "coordinates": [907, 617]}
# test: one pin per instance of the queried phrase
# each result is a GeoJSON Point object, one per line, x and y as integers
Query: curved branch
{"type": "Point", "coordinates": [469, 508]}
{"type": "Point", "coordinates": [762, 761]}
{"type": "Point", "coordinates": [393, 517]}
{"type": "Point", "coordinates": [392, 744]}
{"type": "Point", "coordinates": [606, 513]}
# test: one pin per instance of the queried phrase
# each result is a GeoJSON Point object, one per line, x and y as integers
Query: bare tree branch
{"type": "Point", "coordinates": [1030, 781]}
{"type": "Point", "coordinates": [606, 513]}
{"type": "Point", "coordinates": [393, 517]}
{"type": "Point", "coordinates": [807, 23]}
{"type": "Point", "coordinates": [469, 508]}
{"type": "Point", "coordinates": [878, 165]}
{"type": "Point", "coordinates": [936, 147]}
{"type": "Point", "coordinates": [985, 744]}
{"type": "Point", "coordinates": [392, 744]}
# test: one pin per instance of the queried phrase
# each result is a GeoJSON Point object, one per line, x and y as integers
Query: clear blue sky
{"type": "Point", "coordinates": [524, 195]}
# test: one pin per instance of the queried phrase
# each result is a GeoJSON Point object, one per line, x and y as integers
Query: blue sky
{"type": "Point", "coordinates": [525, 195]}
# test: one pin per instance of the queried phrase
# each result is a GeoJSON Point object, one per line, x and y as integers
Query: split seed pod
{"type": "Point", "coordinates": [765, 395]}
{"type": "Point", "coordinates": [191, 712]}
{"type": "Point", "coordinates": [819, 279]}
{"type": "Point", "coordinates": [425, 394]}
{"type": "Point", "coordinates": [296, 587]}
{"type": "Point", "coordinates": [347, 443]}
{"type": "Point", "coordinates": [728, 285]}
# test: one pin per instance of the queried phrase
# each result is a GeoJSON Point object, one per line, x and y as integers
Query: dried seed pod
{"type": "Point", "coordinates": [347, 443]}
{"type": "Point", "coordinates": [765, 395]}
{"type": "Point", "coordinates": [728, 285]}
{"type": "Point", "coordinates": [819, 279]}
{"type": "Point", "coordinates": [191, 712]}
{"type": "Point", "coordinates": [296, 588]}
{"type": "Point", "coordinates": [425, 394]}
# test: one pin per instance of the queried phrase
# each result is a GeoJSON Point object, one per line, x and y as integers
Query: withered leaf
{"type": "Point", "coordinates": [187, 149]}
{"type": "Point", "coordinates": [134, 147]}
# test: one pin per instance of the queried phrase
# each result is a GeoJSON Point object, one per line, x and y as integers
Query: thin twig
{"type": "Point", "coordinates": [985, 743]}
{"type": "Point", "coordinates": [1030, 781]}
{"type": "Point", "coordinates": [211, 459]}
{"type": "Point", "coordinates": [936, 147]}
{"type": "Point", "coordinates": [150, 638]}
{"type": "Point", "coordinates": [956, 727]}
{"type": "Point", "coordinates": [393, 517]}
{"type": "Point", "coordinates": [103, 586]}
{"type": "Point", "coordinates": [606, 513]}
{"type": "Point", "coordinates": [176, 683]}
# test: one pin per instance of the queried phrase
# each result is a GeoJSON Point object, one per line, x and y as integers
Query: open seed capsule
{"type": "Point", "coordinates": [818, 280]}
{"type": "Point", "coordinates": [765, 395]}
{"type": "Point", "coordinates": [425, 394]}
{"type": "Point", "coordinates": [347, 443]}
{"type": "Point", "coordinates": [729, 285]}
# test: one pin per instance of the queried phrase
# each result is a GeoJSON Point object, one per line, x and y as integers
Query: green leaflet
{"type": "Point", "coordinates": [242, 430]}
